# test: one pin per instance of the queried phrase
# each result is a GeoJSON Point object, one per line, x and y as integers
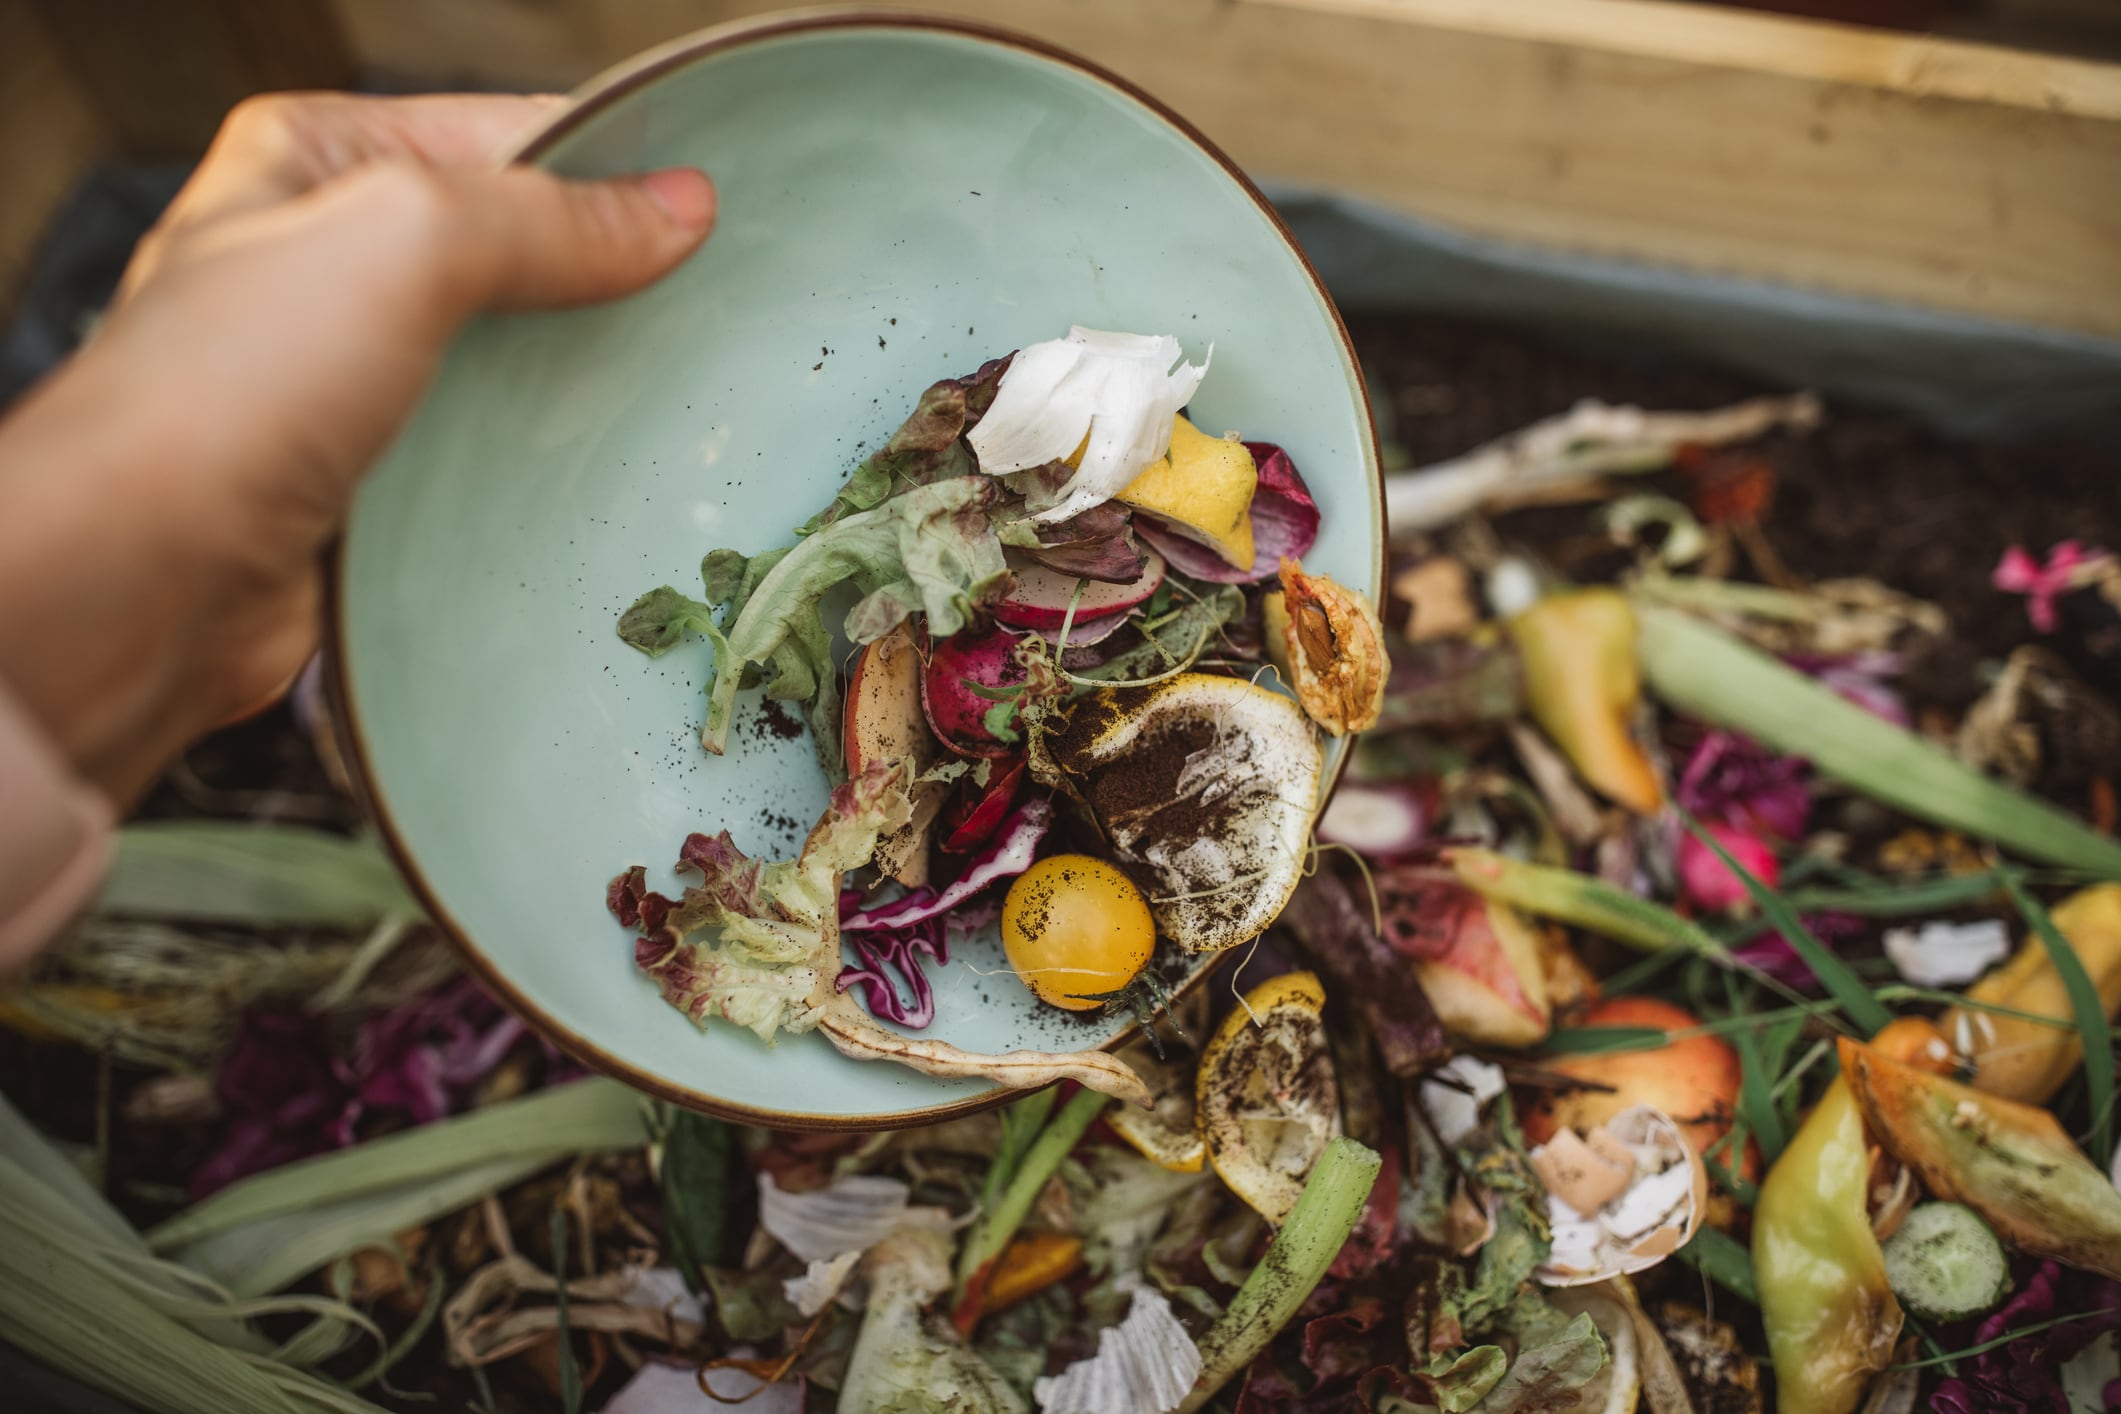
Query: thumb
{"type": "Point", "coordinates": [520, 238]}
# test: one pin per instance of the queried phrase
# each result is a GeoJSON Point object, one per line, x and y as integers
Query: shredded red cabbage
{"type": "Point", "coordinates": [1010, 853]}
{"type": "Point", "coordinates": [1284, 525]}
{"type": "Point", "coordinates": [1732, 778]}
{"type": "Point", "coordinates": [2024, 1376]}
{"type": "Point", "coordinates": [892, 937]}
{"type": "Point", "coordinates": [289, 1091]}
{"type": "Point", "coordinates": [898, 950]}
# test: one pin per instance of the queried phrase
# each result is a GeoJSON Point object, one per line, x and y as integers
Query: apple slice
{"type": "Point", "coordinates": [884, 721]}
{"type": "Point", "coordinates": [1040, 596]}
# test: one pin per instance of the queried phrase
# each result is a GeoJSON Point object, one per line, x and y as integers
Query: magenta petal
{"type": "Point", "coordinates": [1284, 526]}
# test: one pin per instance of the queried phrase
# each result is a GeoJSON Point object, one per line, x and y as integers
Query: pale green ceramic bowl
{"type": "Point", "coordinates": [900, 200]}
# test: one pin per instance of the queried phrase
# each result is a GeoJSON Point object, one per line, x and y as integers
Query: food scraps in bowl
{"type": "Point", "coordinates": [1062, 598]}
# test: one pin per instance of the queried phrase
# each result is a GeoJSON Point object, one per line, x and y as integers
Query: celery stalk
{"type": "Point", "coordinates": [1317, 1228]}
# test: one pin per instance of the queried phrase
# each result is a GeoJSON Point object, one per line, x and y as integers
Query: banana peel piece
{"type": "Point", "coordinates": [2011, 1163]}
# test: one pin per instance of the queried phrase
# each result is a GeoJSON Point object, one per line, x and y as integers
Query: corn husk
{"type": "Point", "coordinates": [81, 1292]}
{"type": "Point", "coordinates": [226, 871]}
{"type": "Point", "coordinates": [258, 1235]}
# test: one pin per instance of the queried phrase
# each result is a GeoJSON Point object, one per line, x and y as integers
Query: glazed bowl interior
{"type": "Point", "coordinates": [899, 202]}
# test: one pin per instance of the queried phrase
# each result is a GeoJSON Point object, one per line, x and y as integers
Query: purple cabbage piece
{"type": "Point", "coordinates": [1730, 778]}
{"type": "Point", "coordinates": [2024, 1376]}
{"type": "Point", "coordinates": [1778, 957]}
{"type": "Point", "coordinates": [289, 1092]}
{"type": "Point", "coordinates": [1010, 853]}
{"type": "Point", "coordinates": [1860, 678]}
{"type": "Point", "coordinates": [1284, 526]}
{"type": "Point", "coordinates": [900, 951]}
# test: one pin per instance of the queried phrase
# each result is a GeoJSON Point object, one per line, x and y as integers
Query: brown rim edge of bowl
{"type": "Point", "coordinates": [592, 98]}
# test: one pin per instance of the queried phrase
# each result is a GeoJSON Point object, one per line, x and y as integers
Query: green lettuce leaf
{"type": "Point", "coordinates": [931, 549]}
{"type": "Point", "coordinates": [927, 447]}
{"type": "Point", "coordinates": [1556, 1356]}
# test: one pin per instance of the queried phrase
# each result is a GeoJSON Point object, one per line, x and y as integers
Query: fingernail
{"type": "Point", "coordinates": [685, 193]}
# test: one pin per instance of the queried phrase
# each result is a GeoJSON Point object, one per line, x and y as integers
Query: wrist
{"type": "Point", "coordinates": [102, 577]}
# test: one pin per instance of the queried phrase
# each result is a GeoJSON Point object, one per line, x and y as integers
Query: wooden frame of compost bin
{"type": "Point", "coordinates": [1948, 176]}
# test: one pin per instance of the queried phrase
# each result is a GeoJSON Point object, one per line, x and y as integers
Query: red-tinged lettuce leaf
{"type": "Point", "coordinates": [1010, 853]}
{"type": "Point", "coordinates": [1349, 1343]}
{"type": "Point", "coordinates": [1337, 935]}
{"type": "Point", "coordinates": [1376, 1236]}
{"type": "Point", "coordinates": [772, 965]}
{"type": "Point", "coordinates": [1284, 526]}
{"type": "Point", "coordinates": [927, 447]}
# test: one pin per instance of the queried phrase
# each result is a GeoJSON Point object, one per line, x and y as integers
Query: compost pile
{"type": "Point", "coordinates": [1701, 998]}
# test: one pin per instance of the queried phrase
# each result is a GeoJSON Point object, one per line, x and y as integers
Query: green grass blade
{"type": "Point", "coordinates": [1841, 984]}
{"type": "Point", "coordinates": [1763, 1050]}
{"type": "Point", "coordinates": [223, 871]}
{"type": "Point", "coordinates": [1604, 1040]}
{"type": "Point", "coordinates": [570, 1377]}
{"type": "Point", "coordinates": [1709, 674]}
{"type": "Point", "coordinates": [1723, 1261]}
{"type": "Point", "coordinates": [2084, 1005]}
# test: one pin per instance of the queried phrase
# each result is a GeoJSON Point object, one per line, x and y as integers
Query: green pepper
{"type": "Point", "coordinates": [1831, 1319]}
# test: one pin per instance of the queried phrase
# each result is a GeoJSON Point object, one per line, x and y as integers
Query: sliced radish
{"type": "Point", "coordinates": [975, 812]}
{"type": "Point", "coordinates": [1378, 821]}
{"type": "Point", "coordinates": [1040, 598]}
{"type": "Point", "coordinates": [959, 715]}
{"type": "Point", "coordinates": [1084, 632]}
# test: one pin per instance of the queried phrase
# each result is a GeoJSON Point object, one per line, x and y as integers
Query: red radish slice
{"type": "Point", "coordinates": [1084, 632]}
{"type": "Point", "coordinates": [1377, 821]}
{"type": "Point", "coordinates": [957, 713]}
{"type": "Point", "coordinates": [1040, 598]}
{"type": "Point", "coordinates": [976, 812]}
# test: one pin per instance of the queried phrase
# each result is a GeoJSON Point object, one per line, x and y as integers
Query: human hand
{"type": "Point", "coordinates": [164, 497]}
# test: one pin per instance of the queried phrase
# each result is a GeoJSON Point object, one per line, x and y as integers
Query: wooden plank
{"type": "Point", "coordinates": [49, 137]}
{"type": "Point", "coordinates": [1948, 176]}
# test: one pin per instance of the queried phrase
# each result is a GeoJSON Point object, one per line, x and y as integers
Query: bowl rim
{"type": "Point", "coordinates": [586, 101]}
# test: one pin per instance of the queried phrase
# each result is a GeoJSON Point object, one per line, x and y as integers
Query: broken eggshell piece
{"type": "Point", "coordinates": [1110, 395]}
{"type": "Point", "coordinates": [1621, 1198]}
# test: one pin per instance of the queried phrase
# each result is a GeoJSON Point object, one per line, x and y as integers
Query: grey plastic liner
{"type": "Point", "coordinates": [1967, 376]}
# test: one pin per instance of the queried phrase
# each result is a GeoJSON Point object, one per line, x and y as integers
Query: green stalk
{"type": "Point", "coordinates": [1000, 1218]}
{"type": "Point", "coordinates": [1318, 1226]}
{"type": "Point", "coordinates": [1712, 675]}
{"type": "Point", "coordinates": [1581, 900]}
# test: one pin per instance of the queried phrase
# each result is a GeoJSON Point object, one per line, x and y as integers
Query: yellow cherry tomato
{"type": "Point", "coordinates": [1074, 926]}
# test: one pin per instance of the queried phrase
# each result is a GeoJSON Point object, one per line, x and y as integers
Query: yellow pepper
{"type": "Point", "coordinates": [1581, 684]}
{"type": "Point", "coordinates": [1031, 1263]}
{"type": "Point", "coordinates": [1831, 1317]}
{"type": "Point", "coordinates": [2023, 1060]}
